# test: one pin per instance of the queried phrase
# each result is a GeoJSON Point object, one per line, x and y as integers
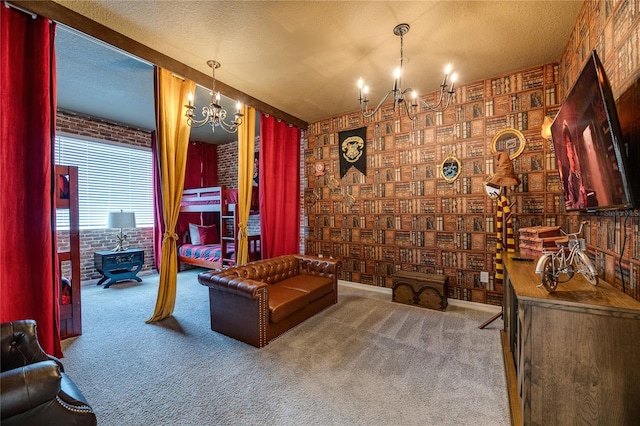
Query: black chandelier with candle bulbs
{"type": "Point", "coordinates": [400, 96]}
{"type": "Point", "coordinates": [213, 114]}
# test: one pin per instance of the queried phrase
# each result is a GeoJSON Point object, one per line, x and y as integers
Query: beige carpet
{"type": "Point", "coordinates": [364, 361]}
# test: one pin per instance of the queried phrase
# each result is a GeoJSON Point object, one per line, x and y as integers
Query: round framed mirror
{"type": "Point", "coordinates": [450, 168]}
{"type": "Point", "coordinates": [511, 141]}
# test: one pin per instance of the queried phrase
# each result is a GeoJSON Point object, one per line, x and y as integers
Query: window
{"type": "Point", "coordinates": [111, 177]}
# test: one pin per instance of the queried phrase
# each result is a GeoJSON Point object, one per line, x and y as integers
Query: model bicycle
{"type": "Point", "coordinates": [561, 265]}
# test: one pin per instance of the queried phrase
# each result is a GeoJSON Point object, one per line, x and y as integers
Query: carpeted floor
{"type": "Point", "coordinates": [364, 361]}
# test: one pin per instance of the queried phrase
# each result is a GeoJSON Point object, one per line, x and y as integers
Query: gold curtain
{"type": "Point", "coordinates": [246, 148]}
{"type": "Point", "coordinates": [172, 143]}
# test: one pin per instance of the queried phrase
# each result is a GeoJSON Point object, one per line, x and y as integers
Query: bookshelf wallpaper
{"type": "Point", "coordinates": [403, 215]}
{"type": "Point", "coordinates": [612, 28]}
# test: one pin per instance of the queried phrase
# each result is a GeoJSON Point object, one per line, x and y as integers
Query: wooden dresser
{"type": "Point", "coordinates": [573, 356]}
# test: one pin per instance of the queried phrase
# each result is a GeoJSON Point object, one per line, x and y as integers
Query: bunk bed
{"type": "Point", "coordinates": [217, 241]}
{"type": "Point", "coordinates": [66, 199]}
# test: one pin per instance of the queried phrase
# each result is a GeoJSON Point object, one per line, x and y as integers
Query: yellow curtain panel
{"type": "Point", "coordinates": [172, 142]}
{"type": "Point", "coordinates": [246, 148]}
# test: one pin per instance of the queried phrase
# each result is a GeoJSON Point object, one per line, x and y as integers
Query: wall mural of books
{"type": "Point", "coordinates": [405, 216]}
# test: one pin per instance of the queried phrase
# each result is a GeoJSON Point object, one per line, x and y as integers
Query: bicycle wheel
{"type": "Point", "coordinates": [586, 268]}
{"type": "Point", "coordinates": [549, 280]}
{"type": "Point", "coordinates": [564, 274]}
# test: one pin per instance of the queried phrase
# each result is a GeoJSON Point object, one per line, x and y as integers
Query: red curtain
{"type": "Point", "coordinates": [201, 172]}
{"type": "Point", "coordinates": [209, 177]}
{"type": "Point", "coordinates": [209, 165]}
{"type": "Point", "coordinates": [193, 171]}
{"type": "Point", "coordinates": [279, 177]}
{"type": "Point", "coordinates": [202, 165]}
{"type": "Point", "coordinates": [192, 180]}
{"type": "Point", "coordinates": [28, 257]}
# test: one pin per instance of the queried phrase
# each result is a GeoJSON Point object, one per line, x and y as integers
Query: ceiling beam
{"type": "Point", "coordinates": [68, 17]}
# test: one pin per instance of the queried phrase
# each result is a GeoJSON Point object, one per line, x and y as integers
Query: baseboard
{"type": "Point", "coordinates": [493, 309]}
{"type": "Point", "coordinates": [454, 302]}
{"type": "Point", "coordinates": [366, 287]}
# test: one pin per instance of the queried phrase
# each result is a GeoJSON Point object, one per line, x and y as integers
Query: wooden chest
{"type": "Point", "coordinates": [416, 288]}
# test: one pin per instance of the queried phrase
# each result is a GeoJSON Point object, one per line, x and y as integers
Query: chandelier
{"type": "Point", "coordinates": [213, 113]}
{"type": "Point", "coordinates": [399, 95]}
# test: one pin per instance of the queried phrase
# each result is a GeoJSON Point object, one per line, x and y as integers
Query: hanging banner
{"type": "Point", "coordinates": [352, 150]}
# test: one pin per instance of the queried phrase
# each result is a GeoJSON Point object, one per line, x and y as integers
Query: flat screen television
{"type": "Point", "coordinates": [593, 166]}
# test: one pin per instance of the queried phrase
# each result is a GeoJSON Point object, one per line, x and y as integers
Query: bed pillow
{"type": "Point", "coordinates": [194, 235]}
{"type": "Point", "coordinates": [209, 234]}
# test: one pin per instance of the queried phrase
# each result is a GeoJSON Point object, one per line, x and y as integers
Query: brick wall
{"type": "Point", "coordinates": [228, 165]}
{"type": "Point", "coordinates": [105, 239]}
{"type": "Point", "coordinates": [92, 240]}
{"type": "Point", "coordinates": [228, 175]}
{"type": "Point", "coordinates": [81, 125]}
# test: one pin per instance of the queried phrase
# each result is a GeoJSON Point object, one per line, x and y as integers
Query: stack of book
{"type": "Point", "coordinates": [533, 240]}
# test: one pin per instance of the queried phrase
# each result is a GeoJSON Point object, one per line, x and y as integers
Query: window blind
{"type": "Point", "coordinates": [111, 177]}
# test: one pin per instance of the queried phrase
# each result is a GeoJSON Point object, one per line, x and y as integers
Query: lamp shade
{"type": "Point", "coordinates": [121, 220]}
{"type": "Point", "coordinates": [545, 131]}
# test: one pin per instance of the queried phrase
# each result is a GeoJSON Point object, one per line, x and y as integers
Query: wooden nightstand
{"type": "Point", "coordinates": [118, 265]}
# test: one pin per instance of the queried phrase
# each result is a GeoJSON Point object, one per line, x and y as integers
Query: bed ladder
{"type": "Point", "coordinates": [228, 235]}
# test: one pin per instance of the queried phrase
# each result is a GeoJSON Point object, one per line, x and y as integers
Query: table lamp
{"type": "Point", "coordinates": [121, 220]}
{"type": "Point", "coordinates": [545, 130]}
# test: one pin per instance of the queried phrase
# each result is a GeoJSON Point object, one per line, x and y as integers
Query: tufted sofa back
{"type": "Point", "coordinates": [322, 267]}
{"type": "Point", "coordinates": [270, 271]}
{"type": "Point", "coordinates": [280, 268]}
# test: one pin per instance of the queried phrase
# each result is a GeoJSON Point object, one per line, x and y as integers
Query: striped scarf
{"type": "Point", "coordinates": [504, 210]}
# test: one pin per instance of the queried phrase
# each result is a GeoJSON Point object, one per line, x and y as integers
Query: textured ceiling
{"type": "Point", "coordinates": [305, 58]}
{"type": "Point", "coordinates": [98, 80]}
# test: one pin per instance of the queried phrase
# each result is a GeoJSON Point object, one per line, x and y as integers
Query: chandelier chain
{"type": "Point", "coordinates": [444, 98]}
{"type": "Point", "coordinates": [401, 50]}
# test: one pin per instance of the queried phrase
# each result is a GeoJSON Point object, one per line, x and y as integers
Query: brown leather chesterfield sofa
{"type": "Point", "coordinates": [257, 302]}
{"type": "Point", "coordinates": [35, 389]}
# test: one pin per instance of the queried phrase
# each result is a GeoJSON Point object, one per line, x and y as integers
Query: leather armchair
{"type": "Point", "coordinates": [35, 390]}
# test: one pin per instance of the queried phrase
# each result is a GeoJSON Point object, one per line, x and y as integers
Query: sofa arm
{"type": "Point", "coordinates": [238, 307]}
{"type": "Point", "coordinates": [24, 388]}
{"type": "Point", "coordinates": [230, 282]}
{"type": "Point", "coordinates": [314, 265]}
